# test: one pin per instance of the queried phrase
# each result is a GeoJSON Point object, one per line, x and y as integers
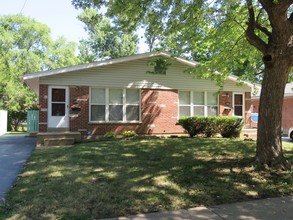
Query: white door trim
{"type": "Point", "coordinates": [58, 121]}
{"type": "Point", "coordinates": [243, 103]}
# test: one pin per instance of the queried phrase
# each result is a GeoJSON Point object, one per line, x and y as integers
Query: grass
{"type": "Point", "coordinates": [119, 178]}
{"type": "Point", "coordinates": [16, 133]}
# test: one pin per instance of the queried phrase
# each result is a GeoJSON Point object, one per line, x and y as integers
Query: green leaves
{"type": "Point", "coordinates": [160, 65]}
{"type": "Point", "coordinates": [104, 40]}
{"type": "Point", "coordinates": [212, 33]}
{"type": "Point", "coordinates": [26, 47]}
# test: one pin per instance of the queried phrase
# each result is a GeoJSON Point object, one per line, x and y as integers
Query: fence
{"type": "Point", "coordinates": [3, 122]}
{"type": "Point", "coordinates": [32, 121]}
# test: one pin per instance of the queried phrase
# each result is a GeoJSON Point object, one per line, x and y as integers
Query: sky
{"type": "Point", "coordinates": [59, 15]}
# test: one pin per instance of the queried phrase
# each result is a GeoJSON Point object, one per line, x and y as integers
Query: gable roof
{"type": "Point", "coordinates": [32, 79]}
{"type": "Point", "coordinates": [105, 63]}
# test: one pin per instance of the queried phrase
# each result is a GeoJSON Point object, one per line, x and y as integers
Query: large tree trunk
{"type": "Point", "coordinates": [269, 141]}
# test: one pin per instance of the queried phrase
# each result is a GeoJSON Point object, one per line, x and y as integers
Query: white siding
{"type": "Point", "coordinates": [133, 75]}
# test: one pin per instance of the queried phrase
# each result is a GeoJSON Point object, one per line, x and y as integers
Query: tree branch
{"type": "Point", "coordinates": [277, 11]}
{"type": "Point", "coordinates": [263, 29]}
{"type": "Point", "coordinates": [260, 27]}
{"type": "Point", "coordinates": [252, 38]}
{"type": "Point", "coordinates": [286, 3]}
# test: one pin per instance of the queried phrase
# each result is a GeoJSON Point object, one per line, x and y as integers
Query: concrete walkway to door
{"type": "Point", "coordinates": [14, 151]}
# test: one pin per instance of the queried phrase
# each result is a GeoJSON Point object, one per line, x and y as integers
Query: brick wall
{"type": "Point", "coordinates": [159, 112]}
{"type": "Point", "coordinates": [287, 113]}
{"type": "Point", "coordinates": [248, 109]}
{"type": "Point", "coordinates": [226, 106]}
{"type": "Point", "coordinates": [79, 108]}
{"type": "Point", "coordinates": [43, 108]}
{"type": "Point", "coordinates": [225, 102]}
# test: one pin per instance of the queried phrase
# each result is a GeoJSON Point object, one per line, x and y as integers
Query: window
{"type": "Point", "coordinates": [58, 102]}
{"type": "Point", "coordinates": [198, 103]}
{"type": "Point", "coordinates": [184, 104]}
{"type": "Point", "coordinates": [114, 105]}
{"type": "Point", "coordinates": [212, 104]}
{"type": "Point", "coordinates": [193, 103]}
{"type": "Point", "coordinates": [98, 105]}
{"type": "Point", "coordinates": [132, 105]}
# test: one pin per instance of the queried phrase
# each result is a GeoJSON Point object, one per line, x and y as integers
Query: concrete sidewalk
{"type": "Point", "coordinates": [263, 209]}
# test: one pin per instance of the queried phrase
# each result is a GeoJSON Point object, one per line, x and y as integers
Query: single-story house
{"type": "Point", "coordinates": [128, 94]}
{"type": "Point", "coordinates": [287, 114]}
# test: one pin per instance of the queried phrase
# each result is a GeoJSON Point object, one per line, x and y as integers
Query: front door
{"type": "Point", "coordinates": [58, 111]}
{"type": "Point", "coordinates": [238, 102]}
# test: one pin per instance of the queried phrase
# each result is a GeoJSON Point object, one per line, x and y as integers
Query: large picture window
{"type": "Point", "coordinates": [193, 103]}
{"type": "Point", "coordinates": [114, 105]}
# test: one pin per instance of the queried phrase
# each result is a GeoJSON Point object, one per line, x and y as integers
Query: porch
{"type": "Point", "coordinates": [60, 138]}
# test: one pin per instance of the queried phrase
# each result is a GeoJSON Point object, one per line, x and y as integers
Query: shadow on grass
{"type": "Point", "coordinates": [118, 178]}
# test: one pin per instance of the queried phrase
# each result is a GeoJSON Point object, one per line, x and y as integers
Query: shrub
{"type": "Point", "coordinates": [192, 125]}
{"type": "Point", "coordinates": [230, 127]}
{"type": "Point", "coordinates": [110, 134]}
{"type": "Point", "coordinates": [129, 134]}
{"type": "Point", "coordinates": [211, 127]}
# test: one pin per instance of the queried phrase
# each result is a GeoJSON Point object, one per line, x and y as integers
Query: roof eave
{"type": "Point", "coordinates": [101, 63]}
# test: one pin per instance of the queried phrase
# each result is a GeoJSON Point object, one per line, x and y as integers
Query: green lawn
{"type": "Point", "coordinates": [118, 178]}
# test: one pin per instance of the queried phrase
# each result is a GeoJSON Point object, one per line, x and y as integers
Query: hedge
{"type": "Point", "coordinates": [228, 127]}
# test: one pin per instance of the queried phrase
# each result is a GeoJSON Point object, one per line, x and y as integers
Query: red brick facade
{"type": "Point", "coordinates": [287, 114]}
{"type": "Point", "coordinates": [159, 112]}
{"type": "Point", "coordinates": [43, 108]}
{"type": "Point", "coordinates": [247, 102]}
{"type": "Point", "coordinates": [226, 108]}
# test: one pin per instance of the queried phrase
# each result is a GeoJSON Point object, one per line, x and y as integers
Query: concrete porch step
{"type": "Point", "coordinates": [57, 138]}
{"type": "Point", "coordinates": [249, 131]}
{"type": "Point", "coordinates": [58, 141]}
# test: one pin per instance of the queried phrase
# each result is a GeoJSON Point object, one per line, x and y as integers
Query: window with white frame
{"type": "Point", "coordinates": [114, 105]}
{"type": "Point", "coordinates": [193, 103]}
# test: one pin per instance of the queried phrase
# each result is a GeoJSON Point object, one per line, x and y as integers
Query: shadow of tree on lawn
{"type": "Point", "coordinates": [118, 178]}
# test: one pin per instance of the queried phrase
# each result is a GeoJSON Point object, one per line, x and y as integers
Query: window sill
{"type": "Point", "coordinates": [114, 122]}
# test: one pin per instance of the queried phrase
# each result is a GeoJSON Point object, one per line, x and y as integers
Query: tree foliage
{"type": "Point", "coordinates": [210, 32]}
{"type": "Point", "coordinates": [26, 47]}
{"type": "Point", "coordinates": [104, 39]}
{"type": "Point", "coordinates": [250, 38]}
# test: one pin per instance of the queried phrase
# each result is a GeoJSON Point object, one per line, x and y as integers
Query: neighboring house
{"type": "Point", "coordinates": [120, 94]}
{"type": "Point", "coordinates": [287, 115]}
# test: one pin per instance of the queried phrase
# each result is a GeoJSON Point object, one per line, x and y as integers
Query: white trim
{"type": "Point", "coordinates": [205, 95]}
{"type": "Point", "coordinates": [107, 105]}
{"type": "Point", "coordinates": [191, 104]}
{"type": "Point", "coordinates": [65, 123]}
{"type": "Point", "coordinates": [124, 105]}
{"type": "Point", "coordinates": [243, 103]}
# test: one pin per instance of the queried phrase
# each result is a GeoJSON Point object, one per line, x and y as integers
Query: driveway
{"type": "Point", "coordinates": [14, 151]}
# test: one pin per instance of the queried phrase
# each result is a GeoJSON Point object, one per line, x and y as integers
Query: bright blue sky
{"type": "Point", "coordinates": [59, 15]}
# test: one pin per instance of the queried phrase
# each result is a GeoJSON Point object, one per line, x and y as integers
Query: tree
{"type": "Point", "coordinates": [26, 47]}
{"type": "Point", "coordinates": [61, 53]}
{"type": "Point", "coordinates": [267, 25]}
{"type": "Point", "coordinates": [104, 39]}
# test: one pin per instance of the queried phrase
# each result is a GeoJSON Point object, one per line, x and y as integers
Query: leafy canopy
{"type": "Point", "coordinates": [211, 32]}
{"type": "Point", "coordinates": [104, 40]}
{"type": "Point", "coordinates": [26, 47]}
